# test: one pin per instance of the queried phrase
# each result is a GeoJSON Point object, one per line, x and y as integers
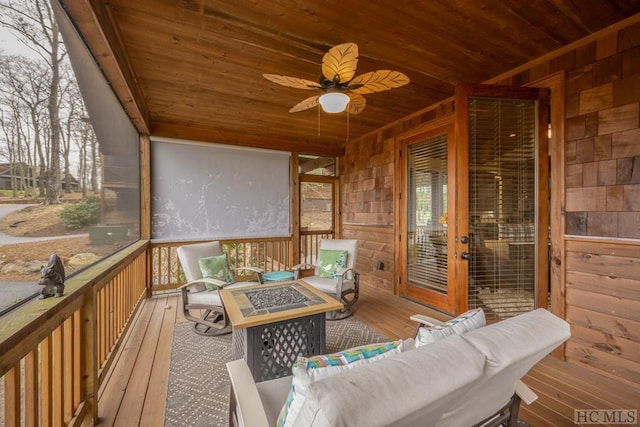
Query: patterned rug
{"type": "Point", "coordinates": [198, 390]}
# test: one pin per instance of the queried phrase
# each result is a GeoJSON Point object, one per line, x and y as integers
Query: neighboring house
{"type": "Point", "coordinates": [21, 171]}
{"type": "Point", "coordinates": [18, 171]}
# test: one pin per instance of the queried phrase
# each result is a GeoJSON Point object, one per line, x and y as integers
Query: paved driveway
{"type": "Point", "coordinates": [5, 239]}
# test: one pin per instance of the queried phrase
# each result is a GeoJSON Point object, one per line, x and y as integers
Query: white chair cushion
{"type": "Point", "coordinates": [466, 322]}
{"type": "Point", "coordinates": [328, 286]}
{"type": "Point", "coordinates": [189, 255]}
{"type": "Point", "coordinates": [341, 244]}
{"type": "Point", "coordinates": [212, 297]}
{"type": "Point", "coordinates": [406, 389]}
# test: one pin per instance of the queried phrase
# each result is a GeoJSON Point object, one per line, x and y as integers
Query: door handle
{"type": "Point", "coordinates": [465, 255]}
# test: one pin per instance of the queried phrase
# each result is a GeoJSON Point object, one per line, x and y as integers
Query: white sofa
{"type": "Point", "coordinates": [461, 380]}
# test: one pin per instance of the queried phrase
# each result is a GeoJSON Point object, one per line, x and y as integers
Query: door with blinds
{"type": "Point", "coordinates": [474, 208]}
{"type": "Point", "coordinates": [503, 199]}
{"type": "Point", "coordinates": [427, 274]}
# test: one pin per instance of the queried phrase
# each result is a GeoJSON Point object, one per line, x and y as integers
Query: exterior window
{"type": "Point", "coordinates": [69, 178]}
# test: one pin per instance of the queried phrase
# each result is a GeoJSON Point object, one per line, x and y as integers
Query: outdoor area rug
{"type": "Point", "coordinates": [198, 393]}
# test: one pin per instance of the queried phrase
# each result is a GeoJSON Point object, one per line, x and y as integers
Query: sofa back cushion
{"type": "Point", "coordinates": [511, 347]}
{"type": "Point", "coordinates": [408, 389]}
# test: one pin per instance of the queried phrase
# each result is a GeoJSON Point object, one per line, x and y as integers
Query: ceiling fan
{"type": "Point", "coordinates": [341, 90]}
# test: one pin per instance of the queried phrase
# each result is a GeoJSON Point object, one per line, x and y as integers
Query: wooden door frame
{"type": "Point", "coordinates": [463, 92]}
{"type": "Point", "coordinates": [444, 124]}
{"type": "Point", "coordinates": [556, 83]}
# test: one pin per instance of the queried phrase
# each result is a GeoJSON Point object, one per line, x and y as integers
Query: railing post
{"type": "Point", "coordinates": [89, 367]}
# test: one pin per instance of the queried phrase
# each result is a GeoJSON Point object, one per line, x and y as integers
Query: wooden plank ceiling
{"type": "Point", "coordinates": [193, 69]}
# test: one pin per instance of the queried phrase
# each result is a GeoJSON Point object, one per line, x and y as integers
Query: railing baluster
{"type": "Point", "coordinates": [68, 372]}
{"type": "Point", "coordinates": [31, 374]}
{"type": "Point", "coordinates": [12, 397]}
{"type": "Point", "coordinates": [77, 365]}
{"type": "Point", "coordinates": [46, 386]}
{"type": "Point", "coordinates": [57, 377]}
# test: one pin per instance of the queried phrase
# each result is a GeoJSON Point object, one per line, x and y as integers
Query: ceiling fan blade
{"type": "Point", "coordinates": [294, 82]}
{"type": "Point", "coordinates": [357, 103]}
{"type": "Point", "coordinates": [306, 104]}
{"type": "Point", "coordinates": [340, 62]}
{"type": "Point", "coordinates": [377, 81]}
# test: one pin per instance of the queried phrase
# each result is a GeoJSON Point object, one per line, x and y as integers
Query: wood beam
{"type": "Point", "coordinates": [193, 133]}
{"type": "Point", "coordinates": [318, 163]}
{"type": "Point", "coordinates": [93, 19]}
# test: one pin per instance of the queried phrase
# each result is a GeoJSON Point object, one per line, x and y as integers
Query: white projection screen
{"type": "Point", "coordinates": [205, 191]}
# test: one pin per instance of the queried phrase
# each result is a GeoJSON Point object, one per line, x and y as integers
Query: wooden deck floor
{"type": "Point", "coordinates": [134, 392]}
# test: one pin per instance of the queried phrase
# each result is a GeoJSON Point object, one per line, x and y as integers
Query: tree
{"type": "Point", "coordinates": [72, 106]}
{"type": "Point", "coordinates": [24, 91]}
{"type": "Point", "coordinates": [35, 26]}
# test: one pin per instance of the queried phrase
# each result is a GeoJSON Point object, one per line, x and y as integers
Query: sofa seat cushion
{"type": "Point", "coordinates": [465, 322]}
{"type": "Point", "coordinates": [406, 389]}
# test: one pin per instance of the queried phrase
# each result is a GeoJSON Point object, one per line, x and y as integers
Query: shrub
{"type": "Point", "coordinates": [77, 215]}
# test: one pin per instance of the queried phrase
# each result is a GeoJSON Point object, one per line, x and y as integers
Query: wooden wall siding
{"type": "Point", "coordinates": [366, 204]}
{"type": "Point", "coordinates": [602, 195]}
{"type": "Point", "coordinates": [603, 307]}
{"type": "Point", "coordinates": [603, 138]}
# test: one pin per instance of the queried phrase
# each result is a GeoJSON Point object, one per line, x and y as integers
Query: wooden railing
{"type": "Point", "coordinates": [54, 352]}
{"type": "Point", "coordinates": [310, 244]}
{"type": "Point", "coordinates": [270, 254]}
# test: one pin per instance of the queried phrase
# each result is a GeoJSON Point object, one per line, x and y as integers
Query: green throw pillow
{"type": "Point", "coordinates": [215, 267]}
{"type": "Point", "coordinates": [329, 261]}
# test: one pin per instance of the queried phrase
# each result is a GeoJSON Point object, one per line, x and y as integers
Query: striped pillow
{"type": "Point", "coordinates": [466, 322]}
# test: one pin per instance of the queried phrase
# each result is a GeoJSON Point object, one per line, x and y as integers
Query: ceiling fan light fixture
{"type": "Point", "coordinates": [334, 102]}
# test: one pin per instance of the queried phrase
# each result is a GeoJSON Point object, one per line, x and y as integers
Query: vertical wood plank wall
{"type": "Point", "coordinates": [602, 194]}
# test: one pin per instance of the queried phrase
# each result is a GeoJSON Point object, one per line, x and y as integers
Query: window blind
{"type": "Point", "coordinates": [502, 205]}
{"type": "Point", "coordinates": [206, 191]}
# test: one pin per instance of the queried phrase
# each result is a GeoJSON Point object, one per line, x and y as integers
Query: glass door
{"type": "Point", "coordinates": [474, 204]}
{"type": "Point", "coordinates": [504, 199]}
{"type": "Point", "coordinates": [427, 274]}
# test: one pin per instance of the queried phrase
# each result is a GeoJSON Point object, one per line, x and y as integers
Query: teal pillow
{"type": "Point", "coordinates": [329, 261]}
{"type": "Point", "coordinates": [215, 267]}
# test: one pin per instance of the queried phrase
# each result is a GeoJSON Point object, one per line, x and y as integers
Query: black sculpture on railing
{"type": "Point", "coordinates": [52, 278]}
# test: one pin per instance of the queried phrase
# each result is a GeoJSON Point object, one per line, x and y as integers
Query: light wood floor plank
{"type": "Point", "coordinates": [154, 404]}
{"type": "Point", "coordinates": [113, 390]}
{"type": "Point", "coordinates": [134, 397]}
